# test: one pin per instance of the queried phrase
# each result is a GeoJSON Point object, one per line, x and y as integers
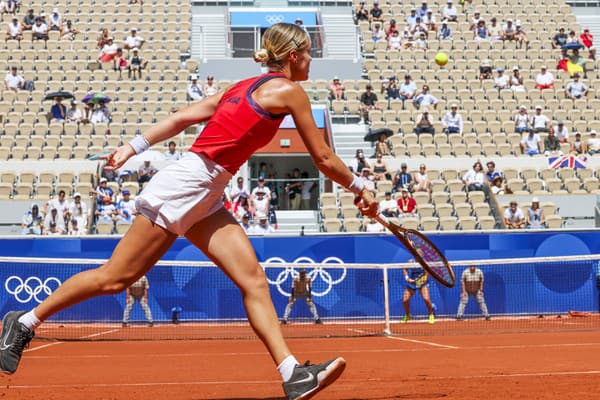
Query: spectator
{"type": "Point", "coordinates": [15, 30]}
{"type": "Point", "coordinates": [242, 207]}
{"type": "Point", "coordinates": [108, 52]}
{"type": "Point", "coordinates": [407, 206]}
{"type": "Point", "coordinates": [472, 285]}
{"type": "Point", "coordinates": [578, 146]}
{"type": "Point", "coordinates": [136, 64]}
{"type": "Point", "coordinates": [58, 111]}
{"type": "Point", "coordinates": [422, 11]}
{"type": "Point", "coordinates": [391, 90]}
{"type": "Point", "coordinates": [261, 187]}
{"type": "Point", "coordinates": [510, 32]}
{"type": "Point", "coordinates": [474, 23]}
{"type": "Point", "coordinates": [78, 211]}
{"type": "Point", "coordinates": [368, 179]}
{"type": "Point", "coordinates": [103, 38]}
{"type": "Point", "coordinates": [535, 215]}
{"type": "Point", "coordinates": [245, 223]}
{"type": "Point", "coordinates": [368, 101]}
{"type": "Point", "coordinates": [452, 120]}
{"type": "Point", "coordinates": [336, 90]}
{"type": "Point", "coordinates": [13, 81]}
{"type": "Point", "coordinates": [491, 172]}
{"type": "Point", "coordinates": [577, 59]}
{"type": "Point", "coordinates": [516, 80]}
{"type": "Point", "coordinates": [119, 62]}
{"type": "Point", "coordinates": [501, 81]}
{"type": "Point", "coordinates": [513, 216]}
{"type": "Point", "coordinates": [422, 183]}
{"type": "Point", "coordinates": [495, 31]}
{"type": "Point", "coordinates": [194, 89]}
{"type": "Point", "coordinates": [539, 122]}
{"type": "Point", "coordinates": [361, 13]}
{"type": "Point", "coordinates": [74, 115]}
{"type": "Point", "coordinates": [408, 88]}
{"type": "Point", "coordinates": [431, 24]}
{"type": "Point", "coordinates": [32, 222]}
{"type": "Point", "coordinates": [126, 208]}
{"type": "Point", "coordinates": [61, 204]}
{"type": "Point", "coordinates": [530, 144]}
{"type": "Point", "coordinates": [210, 87]}
{"type": "Point", "coordinates": [481, 32]}
{"type": "Point", "coordinates": [411, 20]}
{"type": "Point", "coordinates": [260, 201]}
{"type": "Point", "coordinates": [263, 227]}
{"type": "Point", "coordinates": [576, 89]}
{"type": "Point", "coordinates": [587, 39]}
{"type": "Point", "coordinates": [394, 41]}
{"type": "Point", "coordinates": [521, 35]}
{"type": "Point", "coordinates": [407, 38]}
{"type": "Point", "coordinates": [403, 179]}
{"type": "Point", "coordinates": [467, 7]}
{"type": "Point", "coordinates": [55, 20]}
{"type": "Point", "coordinates": [421, 42]}
{"type": "Point", "coordinates": [28, 20]}
{"type": "Point", "coordinates": [76, 229]}
{"type": "Point", "coordinates": [172, 153]}
{"type": "Point", "coordinates": [424, 123]}
{"type": "Point", "coordinates": [293, 189]}
{"type": "Point", "coordinates": [593, 144]}
{"type": "Point", "coordinates": [450, 13]}
{"type": "Point", "coordinates": [236, 191]}
{"type": "Point", "coordinates": [146, 172]}
{"type": "Point", "coordinates": [522, 120]}
{"type": "Point", "coordinates": [445, 31]}
{"type": "Point", "coordinates": [572, 38]}
{"type": "Point", "coordinates": [68, 32]}
{"type": "Point", "coordinates": [376, 12]}
{"type": "Point", "coordinates": [496, 186]}
{"type": "Point", "coordinates": [382, 146]}
{"type": "Point", "coordinates": [54, 219]}
{"type": "Point", "coordinates": [102, 191]}
{"type": "Point", "coordinates": [373, 226]}
{"type": "Point", "coordinates": [101, 115]}
{"type": "Point", "coordinates": [307, 191]}
{"type": "Point", "coordinates": [133, 41]}
{"type": "Point", "coordinates": [562, 132]}
{"type": "Point", "coordinates": [485, 70]}
{"type": "Point", "coordinates": [39, 30]}
{"type": "Point", "coordinates": [560, 39]}
{"type": "Point", "coordinates": [140, 2]}
{"type": "Point", "coordinates": [377, 33]}
{"type": "Point", "coordinates": [475, 179]}
{"type": "Point", "coordinates": [545, 79]}
{"type": "Point", "coordinates": [419, 28]}
{"type": "Point", "coordinates": [425, 99]}
{"type": "Point", "coordinates": [106, 213]}
{"type": "Point", "coordinates": [388, 207]}
{"type": "Point", "coordinates": [380, 169]}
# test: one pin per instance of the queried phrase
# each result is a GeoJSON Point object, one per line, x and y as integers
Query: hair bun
{"type": "Point", "coordinates": [261, 56]}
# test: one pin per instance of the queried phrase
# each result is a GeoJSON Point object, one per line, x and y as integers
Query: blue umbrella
{"type": "Point", "coordinates": [572, 46]}
{"type": "Point", "coordinates": [87, 98]}
{"type": "Point", "coordinates": [99, 98]}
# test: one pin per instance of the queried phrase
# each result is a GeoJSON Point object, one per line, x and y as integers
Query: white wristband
{"type": "Point", "coordinates": [139, 144]}
{"type": "Point", "coordinates": [356, 186]}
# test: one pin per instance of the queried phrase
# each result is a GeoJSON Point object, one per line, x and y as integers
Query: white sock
{"type": "Point", "coordinates": [286, 368]}
{"type": "Point", "coordinates": [30, 320]}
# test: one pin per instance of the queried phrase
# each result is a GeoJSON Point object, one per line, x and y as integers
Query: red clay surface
{"type": "Point", "coordinates": [553, 365]}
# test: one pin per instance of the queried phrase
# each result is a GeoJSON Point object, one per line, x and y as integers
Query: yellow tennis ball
{"type": "Point", "coordinates": [441, 58]}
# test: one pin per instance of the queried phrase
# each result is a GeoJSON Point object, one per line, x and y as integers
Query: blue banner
{"type": "Point", "coordinates": [265, 19]}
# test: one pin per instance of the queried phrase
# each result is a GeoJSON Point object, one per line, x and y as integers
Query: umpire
{"type": "Point", "coordinates": [138, 292]}
{"type": "Point", "coordinates": [472, 285]}
{"type": "Point", "coordinates": [301, 289]}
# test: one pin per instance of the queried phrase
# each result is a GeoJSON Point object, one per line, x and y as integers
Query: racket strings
{"type": "Point", "coordinates": [431, 255]}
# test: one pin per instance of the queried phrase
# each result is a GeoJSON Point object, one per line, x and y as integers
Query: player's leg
{"type": "Point", "coordinates": [147, 311]}
{"type": "Point", "coordinates": [408, 294]}
{"type": "Point", "coordinates": [222, 239]}
{"type": "Point", "coordinates": [482, 305]}
{"type": "Point", "coordinates": [464, 299]}
{"type": "Point", "coordinates": [128, 308]}
{"type": "Point", "coordinates": [427, 299]}
{"type": "Point", "coordinates": [313, 309]}
{"type": "Point", "coordinates": [288, 309]}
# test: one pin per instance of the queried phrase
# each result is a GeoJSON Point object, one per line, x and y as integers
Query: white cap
{"type": "Point", "coordinates": [76, 194]}
{"type": "Point", "coordinates": [261, 215]}
{"type": "Point", "coordinates": [135, 49]}
{"type": "Point", "coordinates": [538, 107]}
{"type": "Point", "coordinates": [102, 180]}
{"type": "Point", "coordinates": [515, 68]}
{"type": "Point", "coordinates": [193, 77]}
{"type": "Point", "coordinates": [535, 200]}
{"type": "Point", "coordinates": [593, 132]}
{"type": "Point", "coordinates": [523, 107]}
{"type": "Point", "coordinates": [55, 10]}
{"type": "Point", "coordinates": [509, 20]}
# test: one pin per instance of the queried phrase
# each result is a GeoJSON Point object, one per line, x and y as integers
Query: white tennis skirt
{"type": "Point", "coordinates": [184, 193]}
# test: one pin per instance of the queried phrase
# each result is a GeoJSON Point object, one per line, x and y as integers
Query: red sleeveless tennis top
{"type": "Point", "coordinates": [239, 126]}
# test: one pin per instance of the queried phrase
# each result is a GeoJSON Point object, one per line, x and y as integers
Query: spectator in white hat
{"type": "Point", "coordinates": [516, 80]}
{"type": "Point", "coordinates": [78, 211]}
{"type": "Point", "coordinates": [450, 13]}
{"type": "Point", "coordinates": [263, 227]}
{"type": "Point", "coordinates": [55, 20]}
{"type": "Point", "coordinates": [509, 29]}
{"type": "Point", "coordinates": [74, 115]}
{"type": "Point", "coordinates": [545, 79]}
{"type": "Point", "coordinates": [539, 122]}
{"type": "Point", "coordinates": [593, 144]}
{"type": "Point", "coordinates": [194, 89]}
{"type": "Point", "coordinates": [535, 215]}
{"type": "Point", "coordinates": [336, 90]}
{"type": "Point", "coordinates": [521, 120]}
{"type": "Point", "coordinates": [136, 63]}
{"type": "Point", "coordinates": [133, 40]}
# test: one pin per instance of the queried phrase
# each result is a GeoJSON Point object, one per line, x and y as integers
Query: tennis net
{"type": "Point", "coordinates": [195, 300]}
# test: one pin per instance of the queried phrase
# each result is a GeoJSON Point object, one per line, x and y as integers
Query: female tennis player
{"type": "Point", "coordinates": [185, 198]}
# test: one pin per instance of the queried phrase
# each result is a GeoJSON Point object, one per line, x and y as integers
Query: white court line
{"type": "Point", "coordinates": [82, 337]}
{"type": "Point", "coordinates": [445, 346]}
{"type": "Point", "coordinates": [263, 382]}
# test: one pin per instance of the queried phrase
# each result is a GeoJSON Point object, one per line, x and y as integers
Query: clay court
{"type": "Point", "coordinates": [558, 360]}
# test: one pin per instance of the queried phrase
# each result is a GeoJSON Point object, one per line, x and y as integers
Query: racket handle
{"type": "Point", "coordinates": [383, 220]}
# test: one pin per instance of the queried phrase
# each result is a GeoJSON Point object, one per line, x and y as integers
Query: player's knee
{"type": "Point", "coordinates": [110, 283]}
{"type": "Point", "coordinates": [255, 282]}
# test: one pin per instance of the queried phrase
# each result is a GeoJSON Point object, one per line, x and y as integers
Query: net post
{"type": "Point", "coordinates": [386, 302]}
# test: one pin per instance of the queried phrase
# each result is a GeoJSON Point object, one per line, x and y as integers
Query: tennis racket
{"type": "Point", "coordinates": [424, 252]}
{"type": "Point", "coordinates": [421, 280]}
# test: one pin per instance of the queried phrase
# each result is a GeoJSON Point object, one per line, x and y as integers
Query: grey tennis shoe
{"type": "Point", "coordinates": [307, 380]}
{"type": "Point", "coordinates": [15, 337]}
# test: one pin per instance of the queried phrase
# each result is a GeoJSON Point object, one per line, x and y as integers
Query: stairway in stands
{"type": "Point", "coordinates": [209, 32]}
{"type": "Point", "coordinates": [340, 33]}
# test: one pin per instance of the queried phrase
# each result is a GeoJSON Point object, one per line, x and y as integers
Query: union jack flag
{"type": "Point", "coordinates": [568, 161]}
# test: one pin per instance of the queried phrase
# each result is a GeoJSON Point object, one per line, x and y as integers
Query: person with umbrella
{"type": "Point", "coordinates": [74, 114]}
{"type": "Point", "coordinates": [58, 112]}
{"type": "Point", "coordinates": [100, 114]}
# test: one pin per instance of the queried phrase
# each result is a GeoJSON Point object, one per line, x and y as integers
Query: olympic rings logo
{"type": "Point", "coordinates": [274, 18]}
{"type": "Point", "coordinates": [322, 280]}
{"type": "Point", "coordinates": [32, 288]}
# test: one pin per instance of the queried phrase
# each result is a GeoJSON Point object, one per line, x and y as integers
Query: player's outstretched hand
{"type": "Point", "coordinates": [118, 157]}
{"type": "Point", "coordinates": [367, 204]}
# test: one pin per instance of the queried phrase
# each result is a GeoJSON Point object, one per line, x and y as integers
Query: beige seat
{"type": "Point", "coordinates": [352, 224]}
{"type": "Point", "coordinates": [448, 223]}
{"type": "Point", "coordinates": [104, 229]}
{"type": "Point", "coordinates": [487, 222]}
{"type": "Point", "coordinates": [481, 209]}
{"type": "Point", "coordinates": [349, 211]}
{"type": "Point", "coordinates": [122, 228]}
{"type": "Point", "coordinates": [329, 211]}
{"type": "Point", "coordinates": [409, 222]}
{"type": "Point", "coordinates": [332, 224]}
{"type": "Point", "coordinates": [429, 223]}
{"type": "Point", "coordinates": [462, 209]}
{"type": "Point", "coordinates": [346, 199]}
{"type": "Point", "coordinates": [426, 210]}
{"type": "Point", "coordinates": [554, 221]}
{"type": "Point", "coordinates": [444, 209]}
{"type": "Point", "coordinates": [467, 222]}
